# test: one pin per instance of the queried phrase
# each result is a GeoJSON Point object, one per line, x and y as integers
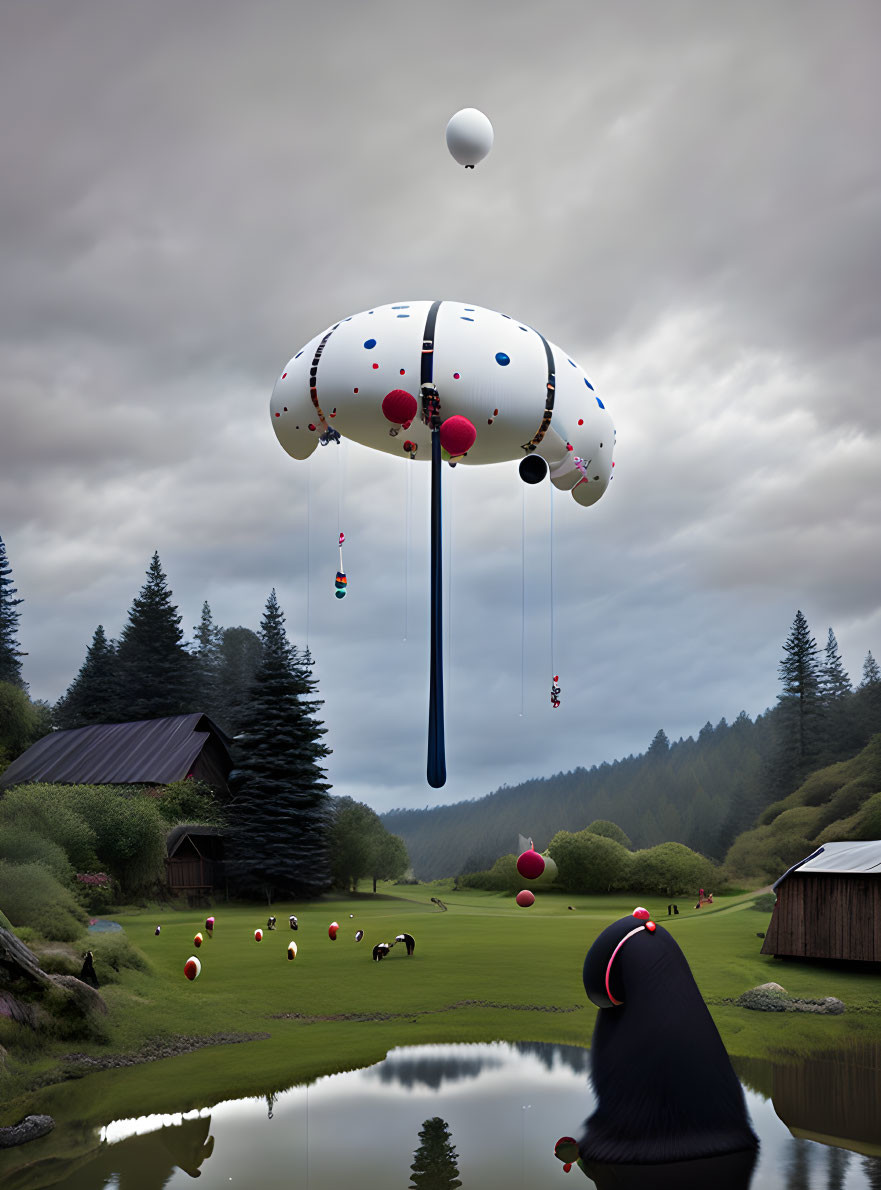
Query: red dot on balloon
{"type": "Point", "coordinates": [403, 371]}
{"type": "Point", "coordinates": [581, 421]}
{"type": "Point", "coordinates": [568, 445]}
{"type": "Point", "coordinates": [457, 435]}
{"type": "Point", "coordinates": [375, 366]}
{"type": "Point", "coordinates": [354, 390]}
{"type": "Point", "coordinates": [556, 677]}
{"type": "Point", "coordinates": [489, 421]}
{"type": "Point", "coordinates": [455, 375]}
{"type": "Point", "coordinates": [495, 413]}
{"type": "Point", "coordinates": [283, 375]}
{"type": "Point", "coordinates": [285, 408]}
{"type": "Point", "coordinates": [279, 415]}
{"type": "Point", "coordinates": [650, 926]}
{"type": "Point", "coordinates": [312, 427]}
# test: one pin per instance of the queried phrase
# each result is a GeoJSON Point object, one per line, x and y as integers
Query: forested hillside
{"type": "Point", "coordinates": [702, 792]}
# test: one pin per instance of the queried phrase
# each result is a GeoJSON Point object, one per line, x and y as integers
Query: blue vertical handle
{"type": "Point", "coordinates": [437, 760]}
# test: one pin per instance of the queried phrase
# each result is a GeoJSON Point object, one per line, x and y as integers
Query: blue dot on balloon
{"type": "Point", "coordinates": [368, 343]}
{"type": "Point", "coordinates": [599, 402]}
{"type": "Point", "coordinates": [299, 353]}
{"type": "Point", "coordinates": [465, 318]}
{"type": "Point", "coordinates": [502, 359]}
{"type": "Point", "coordinates": [588, 383]}
{"type": "Point", "coordinates": [572, 362]}
{"type": "Point", "coordinates": [403, 316]}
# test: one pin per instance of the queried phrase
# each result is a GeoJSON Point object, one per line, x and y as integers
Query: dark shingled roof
{"type": "Point", "coordinates": [148, 752]}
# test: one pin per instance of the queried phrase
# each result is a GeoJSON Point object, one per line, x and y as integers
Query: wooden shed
{"type": "Point", "coordinates": [194, 860]}
{"type": "Point", "coordinates": [829, 905]}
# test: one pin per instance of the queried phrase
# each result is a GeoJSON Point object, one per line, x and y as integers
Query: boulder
{"type": "Point", "coordinates": [30, 1128]}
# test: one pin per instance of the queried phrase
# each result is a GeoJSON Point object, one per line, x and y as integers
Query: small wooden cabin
{"type": "Point", "coordinates": [194, 863]}
{"type": "Point", "coordinates": [829, 905]}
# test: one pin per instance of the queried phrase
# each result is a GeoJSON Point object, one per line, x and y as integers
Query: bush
{"type": "Point", "coordinates": [18, 845]}
{"type": "Point", "coordinates": [50, 811]}
{"type": "Point", "coordinates": [501, 877]}
{"type": "Point", "coordinates": [609, 830]}
{"type": "Point", "coordinates": [672, 869]}
{"type": "Point", "coordinates": [590, 863]}
{"type": "Point", "coordinates": [189, 801]}
{"type": "Point", "coordinates": [31, 896]}
{"type": "Point", "coordinates": [114, 952]}
{"type": "Point", "coordinates": [765, 903]}
{"type": "Point", "coordinates": [129, 834]}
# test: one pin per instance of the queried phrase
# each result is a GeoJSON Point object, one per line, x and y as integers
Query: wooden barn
{"type": "Point", "coordinates": [147, 752]}
{"type": "Point", "coordinates": [829, 906]}
{"type": "Point", "coordinates": [194, 863]}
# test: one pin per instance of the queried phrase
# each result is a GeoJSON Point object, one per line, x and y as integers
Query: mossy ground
{"type": "Point", "coordinates": [483, 970]}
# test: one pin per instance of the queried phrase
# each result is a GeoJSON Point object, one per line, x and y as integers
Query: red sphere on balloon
{"type": "Point", "coordinates": [457, 435]}
{"type": "Point", "coordinates": [530, 865]}
{"type": "Point", "coordinates": [399, 406]}
{"type": "Point", "coordinates": [192, 967]}
{"type": "Point", "coordinates": [525, 898]}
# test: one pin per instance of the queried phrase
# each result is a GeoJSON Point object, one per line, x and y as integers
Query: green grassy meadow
{"type": "Point", "coordinates": [484, 970]}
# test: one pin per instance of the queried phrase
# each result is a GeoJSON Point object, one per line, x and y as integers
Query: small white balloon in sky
{"type": "Point", "coordinates": [469, 136]}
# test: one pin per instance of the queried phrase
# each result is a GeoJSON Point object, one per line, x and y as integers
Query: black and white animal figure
{"type": "Point", "coordinates": [665, 1087]}
{"type": "Point", "coordinates": [294, 922]}
{"type": "Point", "coordinates": [380, 951]}
{"type": "Point", "coordinates": [270, 924]}
{"type": "Point", "coordinates": [408, 941]}
{"type": "Point", "coordinates": [359, 934]}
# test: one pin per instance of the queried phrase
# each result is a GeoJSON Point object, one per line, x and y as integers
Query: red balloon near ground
{"type": "Point", "coordinates": [332, 930]}
{"type": "Point", "coordinates": [530, 865]}
{"type": "Point", "coordinates": [258, 935]}
{"type": "Point", "coordinates": [192, 967]}
{"type": "Point", "coordinates": [525, 898]}
{"type": "Point", "coordinates": [197, 941]}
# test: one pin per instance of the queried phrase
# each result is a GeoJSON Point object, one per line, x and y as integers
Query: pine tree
{"type": "Point", "coordinates": [93, 695]}
{"type": "Point", "coordinates": [280, 812]}
{"type": "Point", "coordinates": [10, 650]}
{"type": "Point", "coordinates": [660, 745]}
{"type": "Point", "coordinates": [206, 653]}
{"type": "Point", "coordinates": [799, 707]}
{"type": "Point", "coordinates": [871, 672]}
{"type": "Point", "coordinates": [434, 1162]}
{"type": "Point", "coordinates": [834, 682]}
{"type": "Point", "coordinates": [156, 673]}
{"type": "Point", "coordinates": [240, 653]}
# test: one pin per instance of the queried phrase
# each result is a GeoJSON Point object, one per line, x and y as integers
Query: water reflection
{"type": "Point", "coordinates": [503, 1106]}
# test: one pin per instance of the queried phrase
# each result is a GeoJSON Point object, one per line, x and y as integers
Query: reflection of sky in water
{"type": "Point", "coordinates": [505, 1106]}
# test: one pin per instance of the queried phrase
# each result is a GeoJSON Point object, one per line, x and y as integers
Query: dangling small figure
{"type": "Point", "coordinates": [555, 692]}
{"type": "Point", "coordinates": [340, 583]}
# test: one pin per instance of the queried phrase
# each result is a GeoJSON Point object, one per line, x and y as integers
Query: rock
{"type": "Point", "coordinates": [770, 987]}
{"type": "Point", "coordinates": [30, 1128]}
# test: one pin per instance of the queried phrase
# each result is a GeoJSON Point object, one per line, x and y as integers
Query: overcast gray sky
{"type": "Point", "coordinates": [684, 196]}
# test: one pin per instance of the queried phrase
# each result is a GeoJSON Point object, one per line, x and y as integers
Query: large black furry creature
{"type": "Point", "coordinates": [665, 1087]}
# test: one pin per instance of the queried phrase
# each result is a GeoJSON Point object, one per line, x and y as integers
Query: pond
{"type": "Point", "coordinates": [501, 1106]}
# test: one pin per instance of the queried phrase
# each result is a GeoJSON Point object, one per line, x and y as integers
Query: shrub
{"type": "Point", "coordinates": [671, 869]}
{"type": "Point", "coordinates": [590, 863]}
{"type": "Point", "coordinates": [609, 830]}
{"type": "Point", "coordinates": [19, 845]}
{"type": "Point", "coordinates": [114, 952]}
{"type": "Point", "coordinates": [50, 811]}
{"type": "Point", "coordinates": [501, 877]}
{"type": "Point", "coordinates": [765, 903]}
{"type": "Point", "coordinates": [189, 801]}
{"type": "Point", "coordinates": [129, 834]}
{"type": "Point", "coordinates": [31, 896]}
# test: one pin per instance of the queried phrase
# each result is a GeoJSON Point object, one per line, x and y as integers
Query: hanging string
{"type": "Point", "coordinates": [408, 468]}
{"type": "Point", "coordinates": [555, 688]}
{"type": "Point", "coordinates": [522, 597]}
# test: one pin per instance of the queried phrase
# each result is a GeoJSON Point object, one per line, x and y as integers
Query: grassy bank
{"type": "Point", "coordinates": [483, 970]}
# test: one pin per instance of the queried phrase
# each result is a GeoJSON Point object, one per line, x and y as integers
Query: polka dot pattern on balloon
{"type": "Point", "coordinates": [502, 359]}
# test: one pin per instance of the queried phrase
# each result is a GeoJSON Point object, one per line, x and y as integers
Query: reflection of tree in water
{"type": "Point", "coordinates": [872, 1170]}
{"type": "Point", "coordinates": [798, 1165]}
{"type": "Point", "coordinates": [431, 1072]}
{"type": "Point", "coordinates": [148, 1162]}
{"type": "Point", "coordinates": [549, 1053]}
{"type": "Point", "coordinates": [434, 1162]}
{"type": "Point", "coordinates": [434, 1071]}
{"type": "Point", "coordinates": [838, 1162]}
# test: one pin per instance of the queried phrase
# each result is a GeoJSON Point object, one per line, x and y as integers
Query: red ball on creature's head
{"type": "Point", "coordinates": [530, 864]}
{"type": "Point", "coordinates": [525, 898]}
{"type": "Point", "coordinates": [399, 406]}
{"type": "Point", "coordinates": [640, 913]}
{"type": "Point", "coordinates": [457, 434]}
